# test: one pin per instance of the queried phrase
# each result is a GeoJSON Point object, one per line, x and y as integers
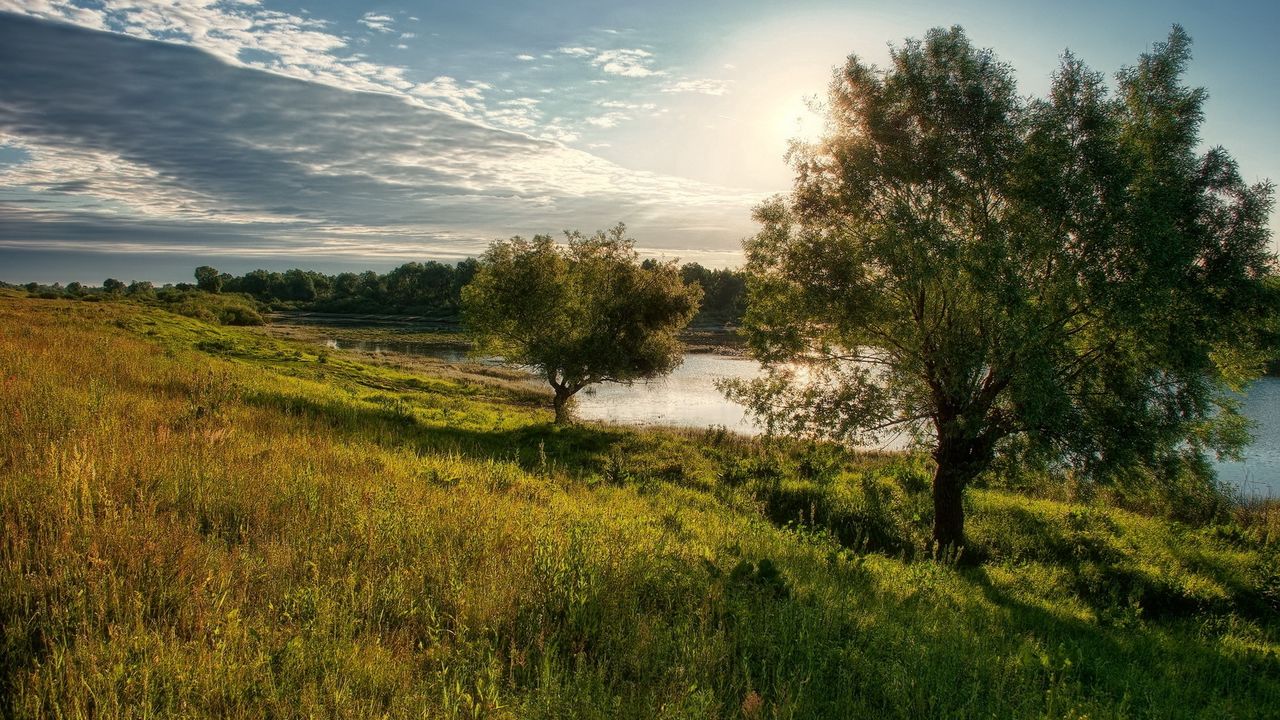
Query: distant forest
{"type": "Point", "coordinates": [431, 290]}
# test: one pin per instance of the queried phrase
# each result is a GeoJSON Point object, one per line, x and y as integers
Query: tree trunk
{"type": "Point", "coordinates": [960, 458]}
{"type": "Point", "coordinates": [562, 406]}
{"type": "Point", "coordinates": [948, 509]}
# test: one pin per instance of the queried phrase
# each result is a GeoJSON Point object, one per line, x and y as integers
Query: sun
{"type": "Point", "coordinates": [799, 118]}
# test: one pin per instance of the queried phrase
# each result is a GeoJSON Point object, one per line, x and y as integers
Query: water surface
{"type": "Point", "coordinates": [686, 398]}
{"type": "Point", "coordinates": [1258, 475]}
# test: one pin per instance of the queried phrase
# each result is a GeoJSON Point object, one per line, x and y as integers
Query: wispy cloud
{"type": "Point", "coordinates": [620, 105]}
{"type": "Point", "coordinates": [241, 33]}
{"type": "Point", "coordinates": [231, 158]}
{"type": "Point", "coordinates": [608, 120]}
{"type": "Point", "coordinates": [377, 22]}
{"type": "Point", "coordinates": [447, 90]}
{"type": "Point", "coordinates": [632, 62]}
{"type": "Point", "coordinates": [517, 113]}
{"type": "Point", "coordinates": [701, 86]}
{"type": "Point", "coordinates": [627, 62]}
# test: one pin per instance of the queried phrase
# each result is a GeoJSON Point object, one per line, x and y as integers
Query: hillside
{"type": "Point", "coordinates": [208, 522]}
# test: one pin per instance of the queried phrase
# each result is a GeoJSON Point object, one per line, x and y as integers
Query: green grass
{"type": "Point", "coordinates": [391, 334]}
{"type": "Point", "coordinates": [205, 521]}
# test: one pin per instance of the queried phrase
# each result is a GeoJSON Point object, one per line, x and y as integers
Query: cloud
{"type": "Point", "coordinates": [448, 91]}
{"type": "Point", "coordinates": [607, 120]}
{"type": "Point", "coordinates": [377, 22]}
{"type": "Point", "coordinates": [136, 145]}
{"type": "Point", "coordinates": [516, 113]}
{"type": "Point", "coordinates": [703, 86]}
{"type": "Point", "coordinates": [240, 33]}
{"type": "Point", "coordinates": [627, 63]}
{"type": "Point", "coordinates": [619, 105]}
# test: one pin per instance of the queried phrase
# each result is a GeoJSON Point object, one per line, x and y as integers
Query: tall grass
{"type": "Point", "coordinates": [205, 522]}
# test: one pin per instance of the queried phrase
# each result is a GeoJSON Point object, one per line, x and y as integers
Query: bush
{"type": "Point", "coordinates": [241, 315]}
{"type": "Point", "coordinates": [221, 309]}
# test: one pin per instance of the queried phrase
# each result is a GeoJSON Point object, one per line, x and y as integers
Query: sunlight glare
{"type": "Point", "coordinates": [800, 119]}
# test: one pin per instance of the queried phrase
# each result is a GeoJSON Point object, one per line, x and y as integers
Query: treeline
{"type": "Point", "coordinates": [724, 293]}
{"type": "Point", "coordinates": [429, 289]}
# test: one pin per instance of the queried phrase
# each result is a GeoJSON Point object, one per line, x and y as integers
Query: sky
{"type": "Point", "coordinates": [140, 138]}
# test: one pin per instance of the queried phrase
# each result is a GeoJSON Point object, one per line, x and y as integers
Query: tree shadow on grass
{"type": "Point", "coordinates": [1108, 657]}
{"type": "Point", "coordinates": [534, 447]}
{"type": "Point", "coordinates": [1105, 575]}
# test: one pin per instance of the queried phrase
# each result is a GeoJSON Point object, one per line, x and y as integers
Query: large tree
{"type": "Point", "coordinates": [1071, 275]}
{"type": "Point", "coordinates": [580, 313]}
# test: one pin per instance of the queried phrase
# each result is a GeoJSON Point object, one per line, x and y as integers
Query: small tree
{"type": "Point", "coordinates": [208, 279]}
{"type": "Point", "coordinates": [580, 313]}
{"type": "Point", "coordinates": [113, 286]}
{"type": "Point", "coordinates": [1067, 275]}
{"type": "Point", "coordinates": [141, 288]}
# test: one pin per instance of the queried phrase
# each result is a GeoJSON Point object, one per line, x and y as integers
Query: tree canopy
{"type": "Point", "coordinates": [1070, 277]}
{"type": "Point", "coordinates": [208, 279]}
{"type": "Point", "coordinates": [580, 313]}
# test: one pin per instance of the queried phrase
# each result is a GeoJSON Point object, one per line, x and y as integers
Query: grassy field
{"type": "Point", "coordinates": [202, 521]}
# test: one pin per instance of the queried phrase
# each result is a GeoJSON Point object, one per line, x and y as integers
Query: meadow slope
{"type": "Point", "coordinates": [202, 521]}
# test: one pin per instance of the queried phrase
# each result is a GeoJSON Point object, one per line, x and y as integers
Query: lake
{"type": "Point", "coordinates": [1258, 475]}
{"type": "Point", "coordinates": [688, 398]}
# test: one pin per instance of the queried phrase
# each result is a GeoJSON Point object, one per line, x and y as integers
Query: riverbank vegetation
{"type": "Point", "coordinates": [204, 521]}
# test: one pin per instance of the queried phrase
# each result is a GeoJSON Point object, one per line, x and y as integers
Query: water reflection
{"type": "Point", "coordinates": [686, 398]}
{"type": "Point", "coordinates": [1258, 475]}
